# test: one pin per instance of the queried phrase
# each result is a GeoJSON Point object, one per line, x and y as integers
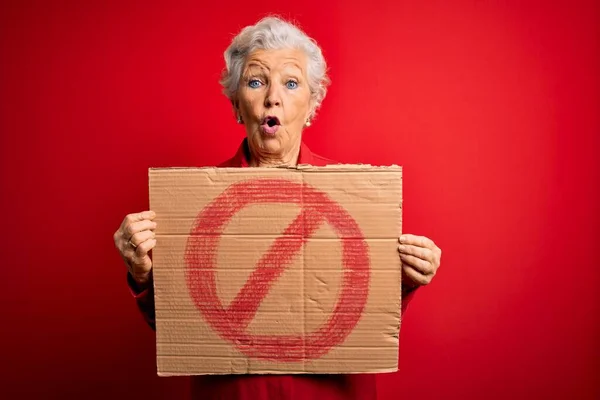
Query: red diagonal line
{"type": "Point", "coordinates": [270, 267]}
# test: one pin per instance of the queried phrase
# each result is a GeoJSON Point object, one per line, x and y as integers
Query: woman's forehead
{"type": "Point", "coordinates": [277, 59]}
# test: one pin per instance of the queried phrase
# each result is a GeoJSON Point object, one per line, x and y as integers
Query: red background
{"type": "Point", "coordinates": [491, 107]}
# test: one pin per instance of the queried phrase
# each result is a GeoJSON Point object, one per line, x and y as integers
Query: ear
{"type": "Point", "coordinates": [312, 105]}
{"type": "Point", "coordinates": [235, 106]}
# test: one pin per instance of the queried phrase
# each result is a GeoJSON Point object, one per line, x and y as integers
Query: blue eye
{"type": "Point", "coordinates": [291, 84]}
{"type": "Point", "coordinates": [254, 83]}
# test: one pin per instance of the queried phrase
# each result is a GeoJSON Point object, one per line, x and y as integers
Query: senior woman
{"type": "Point", "coordinates": [276, 79]}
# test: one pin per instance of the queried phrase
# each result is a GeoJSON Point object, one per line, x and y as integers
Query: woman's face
{"type": "Point", "coordinates": [274, 101]}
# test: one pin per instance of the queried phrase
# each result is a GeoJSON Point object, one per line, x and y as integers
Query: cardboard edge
{"type": "Point", "coordinates": [156, 323]}
{"type": "Point", "coordinates": [300, 167]}
{"type": "Point", "coordinates": [274, 373]}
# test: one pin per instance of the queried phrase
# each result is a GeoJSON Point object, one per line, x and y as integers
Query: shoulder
{"type": "Point", "coordinates": [308, 157]}
{"type": "Point", "coordinates": [321, 161]}
{"type": "Point", "coordinates": [228, 163]}
{"type": "Point", "coordinates": [239, 159]}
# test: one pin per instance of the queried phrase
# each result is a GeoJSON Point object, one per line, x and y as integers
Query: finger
{"type": "Point", "coordinates": [133, 255]}
{"type": "Point", "coordinates": [140, 263]}
{"type": "Point", "coordinates": [128, 254]}
{"type": "Point", "coordinates": [139, 257]}
{"type": "Point", "coordinates": [137, 265]}
{"type": "Point", "coordinates": [418, 264]}
{"type": "Point", "coordinates": [420, 252]}
{"type": "Point", "coordinates": [141, 237]}
{"type": "Point", "coordinates": [132, 229]}
{"type": "Point", "coordinates": [415, 276]}
{"type": "Point", "coordinates": [136, 217]}
{"type": "Point", "coordinates": [145, 247]}
{"type": "Point", "coordinates": [133, 259]}
{"type": "Point", "coordinates": [137, 260]}
{"type": "Point", "coordinates": [420, 241]}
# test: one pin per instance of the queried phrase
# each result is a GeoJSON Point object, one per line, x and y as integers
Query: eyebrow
{"type": "Point", "coordinates": [251, 69]}
{"type": "Point", "coordinates": [256, 65]}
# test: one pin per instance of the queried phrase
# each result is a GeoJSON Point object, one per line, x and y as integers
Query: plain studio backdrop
{"type": "Point", "coordinates": [491, 107]}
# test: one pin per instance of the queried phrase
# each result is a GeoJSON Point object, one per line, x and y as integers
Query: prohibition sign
{"type": "Point", "coordinates": [231, 322]}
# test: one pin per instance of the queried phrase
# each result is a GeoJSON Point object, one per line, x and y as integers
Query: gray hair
{"type": "Point", "coordinates": [273, 33]}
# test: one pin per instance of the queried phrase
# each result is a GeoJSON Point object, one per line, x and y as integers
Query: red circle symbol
{"type": "Point", "coordinates": [231, 322]}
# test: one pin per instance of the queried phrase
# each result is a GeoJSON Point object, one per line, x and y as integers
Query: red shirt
{"type": "Point", "coordinates": [271, 387]}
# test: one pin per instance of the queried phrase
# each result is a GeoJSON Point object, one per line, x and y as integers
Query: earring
{"type": "Point", "coordinates": [239, 119]}
{"type": "Point", "coordinates": [307, 122]}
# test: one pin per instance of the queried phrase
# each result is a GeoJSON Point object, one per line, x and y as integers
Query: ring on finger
{"type": "Point", "coordinates": [130, 243]}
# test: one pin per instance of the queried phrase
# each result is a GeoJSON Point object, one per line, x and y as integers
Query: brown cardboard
{"type": "Point", "coordinates": [331, 305]}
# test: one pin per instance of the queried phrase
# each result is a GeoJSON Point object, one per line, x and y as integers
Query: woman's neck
{"type": "Point", "coordinates": [289, 158]}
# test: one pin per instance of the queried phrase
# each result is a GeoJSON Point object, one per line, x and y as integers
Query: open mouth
{"type": "Point", "coordinates": [271, 121]}
{"type": "Point", "coordinates": [270, 125]}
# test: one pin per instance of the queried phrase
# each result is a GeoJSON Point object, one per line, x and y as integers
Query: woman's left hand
{"type": "Point", "coordinates": [420, 260]}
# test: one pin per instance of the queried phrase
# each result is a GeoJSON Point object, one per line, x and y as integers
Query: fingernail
{"type": "Point", "coordinates": [402, 238]}
{"type": "Point", "coordinates": [402, 247]}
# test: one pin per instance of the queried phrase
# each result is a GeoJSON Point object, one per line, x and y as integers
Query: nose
{"type": "Point", "coordinates": [273, 98]}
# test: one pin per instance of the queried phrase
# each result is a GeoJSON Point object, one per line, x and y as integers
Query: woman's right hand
{"type": "Point", "coordinates": [134, 239]}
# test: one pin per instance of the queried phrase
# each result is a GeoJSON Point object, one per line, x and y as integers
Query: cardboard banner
{"type": "Point", "coordinates": [277, 270]}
